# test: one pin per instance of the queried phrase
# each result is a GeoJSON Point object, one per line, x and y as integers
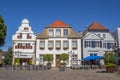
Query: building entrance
{"type": "Point", "coordinates": [57, 61]}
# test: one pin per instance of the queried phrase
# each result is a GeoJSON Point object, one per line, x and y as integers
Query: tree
{"type": "Point", "coordinates": [64, 57]}
{"type": "Point", "coordinates": [3, 30]}
{"type": "Point", "coordinates": [8, 56]}
{"type": "Point", "coordinates": [110, 58]}
{"type": "Point", "coordinates": [48, 57]}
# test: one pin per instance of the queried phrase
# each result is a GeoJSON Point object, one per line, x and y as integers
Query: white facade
{"type": "Point", "coordinates": [96, 42]}
{"type": "Point", "coordinates": [116, 35]}
{"type": "Point", "coordinates": [24, 42]}
{"type": "Point", "coordinates": [54, 40]}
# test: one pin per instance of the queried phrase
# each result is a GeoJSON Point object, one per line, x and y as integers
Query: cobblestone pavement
{"type": "Point", "coordinates": [55, 74]}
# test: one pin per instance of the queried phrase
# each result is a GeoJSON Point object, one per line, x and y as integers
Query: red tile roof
{"type": "Point", "coordinates": [96, 26]}
{"type": "Point", "coordinates": [58, 23]}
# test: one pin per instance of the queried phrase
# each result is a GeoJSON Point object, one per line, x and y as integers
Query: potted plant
{"type": "Point", "coordinates": [48, 58]}
{"type": "Point", "coordinates": [110, 59]}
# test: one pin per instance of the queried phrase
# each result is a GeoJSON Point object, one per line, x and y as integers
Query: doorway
{"type": "Point", "coordinates": [57, 61]}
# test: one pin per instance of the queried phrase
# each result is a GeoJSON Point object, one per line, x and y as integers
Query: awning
{"type": "Point", "coordinates": [92, 58]}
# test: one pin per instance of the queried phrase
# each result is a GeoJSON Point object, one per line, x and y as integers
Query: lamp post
{"type": "Point", "coordinates": [71, 59]}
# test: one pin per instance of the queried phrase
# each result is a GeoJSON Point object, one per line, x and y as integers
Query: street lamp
{"type": "Point", "coordinates": [71, 55]}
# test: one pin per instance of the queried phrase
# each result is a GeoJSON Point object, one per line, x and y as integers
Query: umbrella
{"type": "Point", "coordinates": [92, 58]}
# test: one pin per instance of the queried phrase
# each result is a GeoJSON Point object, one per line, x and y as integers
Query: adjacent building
{"type": "Point", "coordinates": [58, 38]}
{"type": "Point", "coordinates": [96, 40]}
{"type": "Point", "coordinates": [117, 36]}
{"type": "Point", "coordinates": [23, 44]}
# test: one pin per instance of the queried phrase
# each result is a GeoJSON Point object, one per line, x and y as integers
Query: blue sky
{"type": "Point", "coordinates": [40, 13]}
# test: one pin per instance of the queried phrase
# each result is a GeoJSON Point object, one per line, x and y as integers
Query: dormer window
{"type": "Point", "coordinates": [26, 28]}
{"type": "Point", "coordinates": [58, 32]}
{"type": "Point", "coordinates": [51, 32]}
{"type": "Point", "coordinates": [104, 36]}
{"type": "Point", "coordinates": [65, 32]}
{"type": "Point", "coordinates": [99, 35]}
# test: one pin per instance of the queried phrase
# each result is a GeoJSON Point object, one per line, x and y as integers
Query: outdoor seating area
{"type": "Point", "coordinates": [27, 67]}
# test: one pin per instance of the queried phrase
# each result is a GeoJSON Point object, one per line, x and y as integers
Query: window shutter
{"type": "Point", "coordinates": [93, 44]}
{"type": "Point", "coordinates": [18, 36]}
{"type": "Point", "coordinates": [108, 45]}
{"type": "Point", "coordinates": [100, 44]}
{"type": "Point", "coordinates": [16, 47]}
{"type": "Point", "coordinates": [85, 44]}
{"type": "Point", "coordinates": [30, 47]}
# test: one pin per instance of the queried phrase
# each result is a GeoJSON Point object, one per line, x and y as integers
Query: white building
{"type": "Point", "coordinates": [58, 38]}
{"type": "Point", "coordinates": [116, 35]}
{"type": "Point", "coordinates": [23, 44]}
{"type": "Point", "coordinates": [96, 40]}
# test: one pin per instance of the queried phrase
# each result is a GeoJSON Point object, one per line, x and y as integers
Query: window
{"type": "Point", "coordinates": [74, 44]}
{"type": "Point", "coordinates": [51, 32]}
{"type": "Point", "coordinates": [93, 54]}
{"type": "Point", "coordinates": [20, 45]}
{"type": "Point", "coordinates": [20, 36]}
{"type": "Point", "coordinates": [28, 46]}
{"type": "Point", "coordinates": [88, 43]}
{"type": "Point", "coordinates": [104, 36]}
{"type": "Point", "coordinates": [58, 32]}
{"type": "Point", "coordinates": [104, 45]}
{"type": "Point", "coordinates": [26, 28]}
{"type": "Point", "coordinates": [58, 44]}
{"type": "Point", "coordinates": [28, 36]}
{"type": "Point", "coordinates": [42, 44]}
{"type": "Point", "coordinates": [50, 44]}
{"type": "Point", "coordinates": [65, 44]}
{"type": "Point", "coordinates": [99, 35]}
{"type": "Point", "coordinates": [65, 32]}
{"type": "Point", "coordinates": [97, 44]}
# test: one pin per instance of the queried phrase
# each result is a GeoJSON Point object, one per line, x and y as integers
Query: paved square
{"type": "Point", "coordinates": [55, 74]}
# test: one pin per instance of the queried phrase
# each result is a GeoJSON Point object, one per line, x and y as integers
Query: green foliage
{"type": "Point", "coordinates": [110, 58]}
{"type": "Point", "coordinates": [110, 64]}
{"type": "Point", "coordinates": [3, 30]}
{"type": "Point", "coordinates": [62, 63]}
{"type": "Point", "coordinates": [64, 57]}
{"type": "Point", "coordinates": [48, 57]}
{"type": "Point", "coordinates": [8, 57]}
{"type": "Point", "coordinates": [6, 61]}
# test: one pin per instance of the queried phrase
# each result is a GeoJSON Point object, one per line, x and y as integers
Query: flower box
{"type": "Point", "coordinates": [50, 48]}
{"type": "Point", "coordinates": [42, 48]}
{"type": "Point", "coordinates": [57, 48]}
{"type": "Point", "coordinates": [65, 48]}
{"type": "Point", "coordinates": [74, 48]}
